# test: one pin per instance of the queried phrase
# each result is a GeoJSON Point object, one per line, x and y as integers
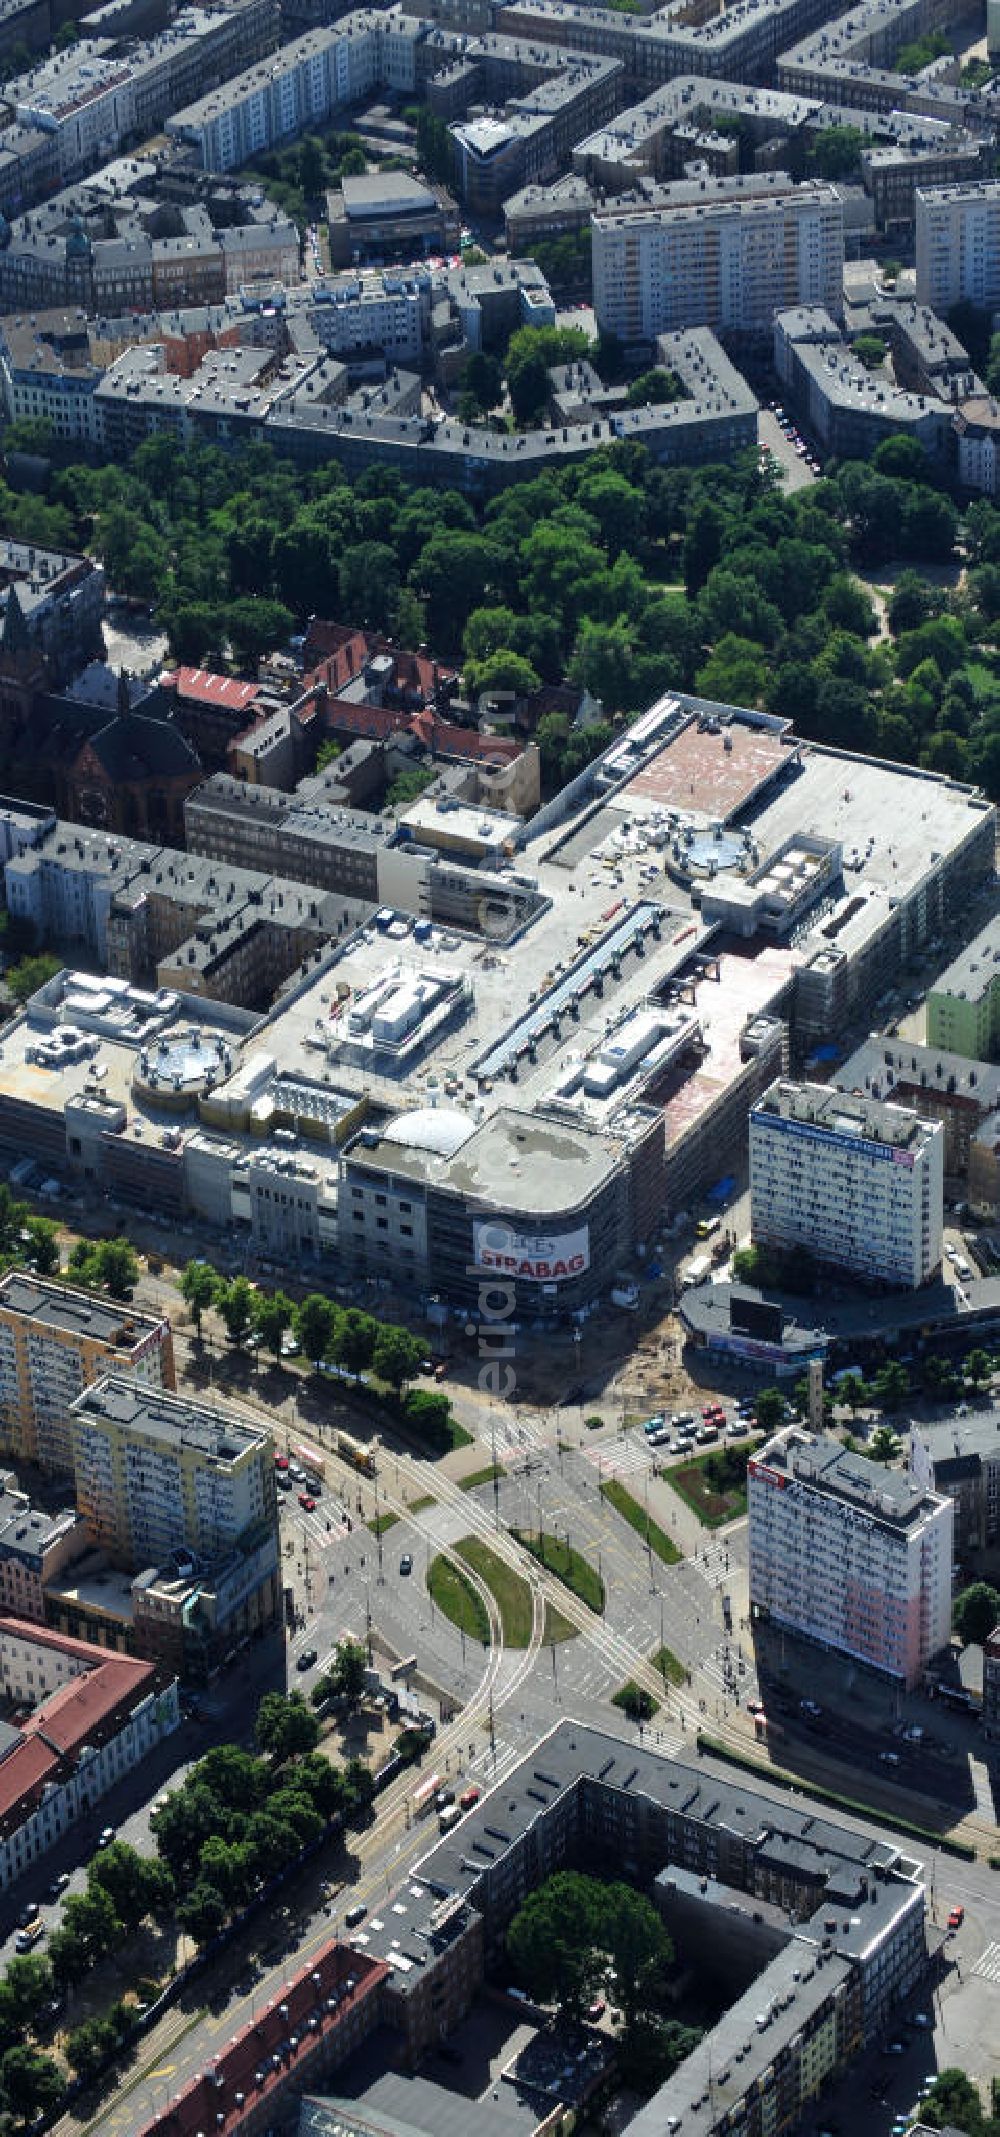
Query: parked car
{"type": "Point", "coordinates": [956, 1918]}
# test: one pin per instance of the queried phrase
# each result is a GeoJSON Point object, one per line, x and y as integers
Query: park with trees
{"type": "Point", "coordinates": [623, 577]}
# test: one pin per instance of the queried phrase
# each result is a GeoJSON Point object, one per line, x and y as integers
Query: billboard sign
{"type": "Point", "coordinates": [538, 1257]}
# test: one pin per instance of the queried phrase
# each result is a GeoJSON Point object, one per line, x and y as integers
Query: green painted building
{"type": "Point", "coordinates": [963, 1008]}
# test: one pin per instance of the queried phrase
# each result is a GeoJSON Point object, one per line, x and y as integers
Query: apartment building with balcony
{"type": "Point", "coordinates": [716, 253]}
{"type": "Point", "coordinates": [850, 1554]}
{"type": "Point", "coordinates": [162, 1478]}
{"type": "Point", "coordinates": [55, 1341]}
{"type": "Point", "coordinates": [958, 245]}
{"type": "Point", "coordinates": [852, 1180]}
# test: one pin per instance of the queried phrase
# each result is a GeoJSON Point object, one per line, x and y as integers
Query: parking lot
{"type": "Point", "coordinates": [780, 443]}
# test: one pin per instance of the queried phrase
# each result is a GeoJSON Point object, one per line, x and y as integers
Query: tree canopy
{"type": "Point", "coordinates": [576, 1934]}
{"type": "Point", "coordinates": [976, 1611]}
{"type": "Point", "coordinates": [574, 574]}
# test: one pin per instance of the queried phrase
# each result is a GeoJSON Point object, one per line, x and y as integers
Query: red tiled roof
{"type": "Point", "coordinates": [63, 1642]}
{"type": "Point", "coordinates": [338, 654]}
{"type": "Point", "coordinates": [301, 2010]}
{"type": "Point", "coordinates": [333, 653]}
{"type": "Point", "coordinates": [71, 1717]}
{"type": "Point", "coordinates": [376, 722]}
{"type": "Point", "coordinates": [204, 688]}
{"type": "Point", "coordinates": [324, 637]}
{"type": "Point", "coordinates": [23, 1774]}
{"type": "Point", "coordinates": [447, 740]}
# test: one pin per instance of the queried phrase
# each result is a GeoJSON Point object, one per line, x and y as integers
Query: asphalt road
{"type": "Point", "coordinates": [345, 1584]}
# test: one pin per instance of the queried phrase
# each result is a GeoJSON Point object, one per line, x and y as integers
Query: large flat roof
{"type": "Point", "coordinates": [226, 1434]}
{"type": "Point", "coordinates": [746, 987]}
{"type": "Point", "coordinates": [868, 1119]}
{"type": "Point", "coordinates": [76, 1313]}
{"type": "Point", "coordinates": [710, 772]}
{"type": "Point", "coordinates": [822, 1463]}
{"type": "Point", "coordinates": [512, 1160]}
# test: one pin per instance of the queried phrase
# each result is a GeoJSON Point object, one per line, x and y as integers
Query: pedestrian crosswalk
{"type": "Point", "coordinates": [520, 1432]}
{"type": "Point", "coordinates": [722, 1669]}
{"type": "Point", "coordinates": [987, 1966]}
{"type": "Point", "coordinates": [494, 1765]}
{"type": "Point", "coordinates": [713, 1562]}
{"type": "Point", "coordinates": [621, 1458]}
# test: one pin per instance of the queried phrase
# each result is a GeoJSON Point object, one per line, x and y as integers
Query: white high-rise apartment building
{"type": "Point", "coordinates": [728, 261]}
{"type": "Point", "coordinates": [958, 245]}
{"type": "Point", "coordinates": [850, 1554]}
{"type": "Point", "coordinates": [855, 1182]}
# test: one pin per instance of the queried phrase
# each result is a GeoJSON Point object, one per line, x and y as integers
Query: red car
{"type": "Point", "coordinates": [281, 1461]}
{"type": "Point", "coordinates": [956, 1918]}
{"type": "Point", "coordinates": [308, 1505]}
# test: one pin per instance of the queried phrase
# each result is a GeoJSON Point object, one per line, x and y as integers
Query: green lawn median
{"type": "Point", "coordinates": [457, 1599]}
{"type": "Point", "coordinates": [569, 1566]}
{"type": "Point", "coordinates": [669, 1666]}
{"type": "Point", "coordinates": [489, 1475]}
{"type": "Point", "coordinates": [653, 1536]}
{"type": "Point", "coordinates": [511, 1593]}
